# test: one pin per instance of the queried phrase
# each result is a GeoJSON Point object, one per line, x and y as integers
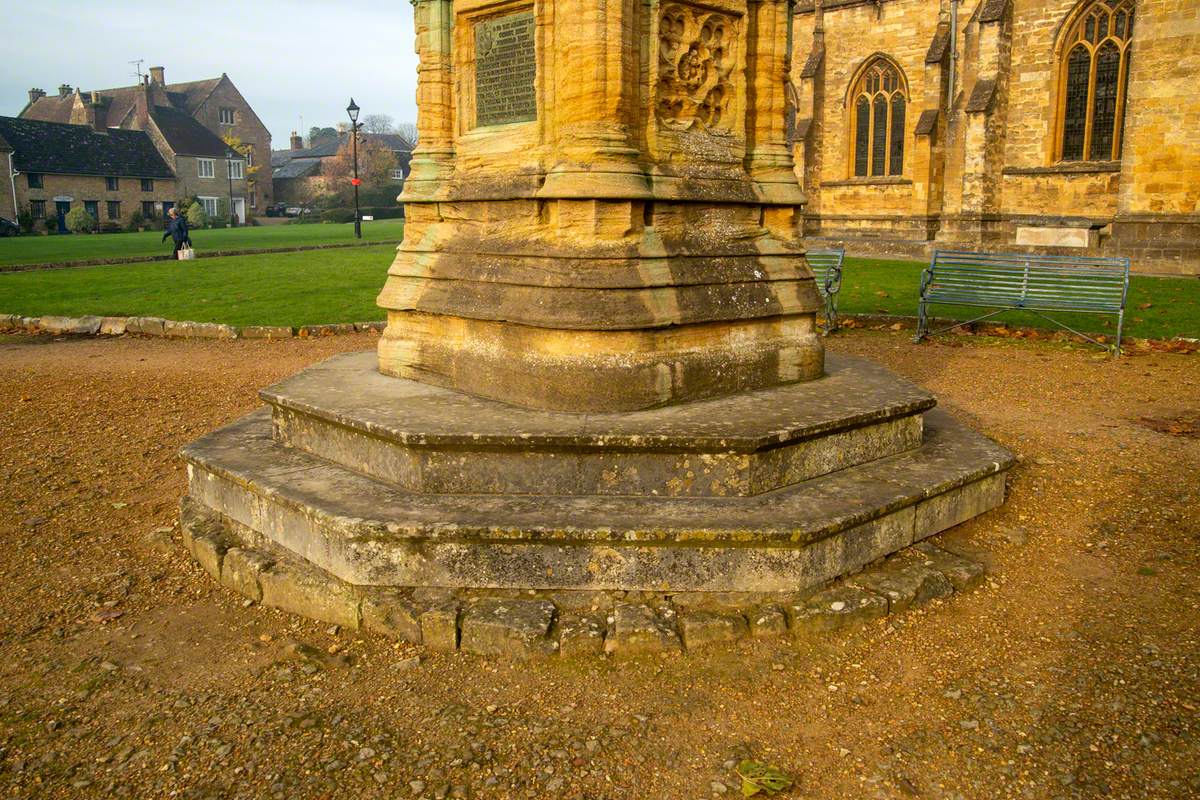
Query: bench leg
{"type": "Point", "coordinates": [1120, 328]}
{"type": "Point", "coordinates": [921, 323]}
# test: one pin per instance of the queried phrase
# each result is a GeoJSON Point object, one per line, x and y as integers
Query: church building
{"type": "Point", "coordinates": [1057, 126]}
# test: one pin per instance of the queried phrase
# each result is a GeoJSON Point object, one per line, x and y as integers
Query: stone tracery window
{"type": "Point", "coordinates": [1093, 78]}
{"type": "Point", "coordinates": [878, 104]}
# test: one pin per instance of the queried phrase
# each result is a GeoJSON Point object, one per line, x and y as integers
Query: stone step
{"type": "Point", "coordinates": [426, 439]}
{"type": "Point", "coordinates": [369, 533]}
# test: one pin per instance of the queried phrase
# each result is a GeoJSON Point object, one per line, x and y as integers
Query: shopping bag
{"type": "Point", "coordinates": [186, 254]}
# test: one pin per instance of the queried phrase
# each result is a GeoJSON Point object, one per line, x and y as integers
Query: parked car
{"type": "Point", "coordinates": [9, 228]}
{"type": "Point", "coordinates": [277, 210]}
{"type": "Point", "coordinates": [296, 211]}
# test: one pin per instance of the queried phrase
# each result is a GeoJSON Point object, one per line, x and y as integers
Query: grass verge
{"type": "Point", "coordinates": [314, 287]}
{"type": "Point", "coordinates": [86, 247]}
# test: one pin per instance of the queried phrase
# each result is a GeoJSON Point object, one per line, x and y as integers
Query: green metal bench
{"type": "Point", "coordinates": [1039, 284]}
{"type": "Point", "coordinates": [827, 269]}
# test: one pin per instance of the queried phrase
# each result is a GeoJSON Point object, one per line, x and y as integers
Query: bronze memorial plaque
{"type": "Point", "coordinates": [505, 66]}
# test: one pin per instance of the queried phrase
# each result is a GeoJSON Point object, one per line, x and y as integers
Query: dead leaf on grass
{"type": "Point", "coordinates": [759, 777]}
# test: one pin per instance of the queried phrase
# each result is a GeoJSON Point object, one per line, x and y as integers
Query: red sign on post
{"type": "Point", "coordinates": [356, 181]}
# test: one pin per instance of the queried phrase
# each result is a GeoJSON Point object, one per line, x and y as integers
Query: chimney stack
{"type": "Point", "coordinates": [297, 141]}
{"type": "Point", "coordinates": [156, 75]}
{"type": "Point", "coordinates": [35, 95]}
{"type": "Point", "coordinates": [64, 90]}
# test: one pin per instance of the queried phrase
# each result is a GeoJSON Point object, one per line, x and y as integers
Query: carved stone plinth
{"type": "Point", "coordinates": [602, 214]}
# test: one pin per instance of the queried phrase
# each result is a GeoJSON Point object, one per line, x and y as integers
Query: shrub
{"type": "Point", "coordinates": [196, 216]}
{"type": "Point", "coordinates": [25, 221]}
{"type": "Point", "coordinates": [338, 215]}
{"type": "Point", "coordinates": [80, 221]}
{"type": "Point", "coordinates": [135, 221]}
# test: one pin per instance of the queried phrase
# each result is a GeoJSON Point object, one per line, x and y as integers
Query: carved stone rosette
{"type": "Point", "coordinates": [695, 57]}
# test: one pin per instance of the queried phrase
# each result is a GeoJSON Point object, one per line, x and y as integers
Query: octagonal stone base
{"type": "Point", "coordinates": [380, 482]}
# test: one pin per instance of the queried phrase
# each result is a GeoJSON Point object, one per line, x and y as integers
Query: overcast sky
{"type": "Point", "coordinates": [293, 59]}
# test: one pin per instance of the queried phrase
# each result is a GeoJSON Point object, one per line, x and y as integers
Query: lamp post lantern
{"type": "Point", "coordinates": [352, 110]}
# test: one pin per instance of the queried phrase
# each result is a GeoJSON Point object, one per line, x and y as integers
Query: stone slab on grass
{"type": "Point", "coordinates": [904, 583]}
{"type": "Point", "coordinates": [304, 589]}
{"type": "Point", "coordinates": [241, 570]}
{"type": "Point", "coordinates": [392, 613]}
{"type": "Point", "coordinates": [638, 629]}
{"type": "Point", "coordinates": [198, 330]}
{"type": "Point", "coordinates": [113, 326]}
{"type": "Point", "coordinates": [266, 332]}
{"type": "Point", "coordinates": [86, 326]}
{"type": "Point", "coordinates": [962, 572]}
{"type": "Point", "coordinates": [147, 326]}
{"type": "Point", "coordinates": [835, 609]}
{"type": "Point", "coordinates": [508, 627]}
{"type": "Point", "coordinates": [702, 628]}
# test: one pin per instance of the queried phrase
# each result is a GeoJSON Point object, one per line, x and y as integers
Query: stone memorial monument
{"type": "Point", "coordinates": [601, 369]}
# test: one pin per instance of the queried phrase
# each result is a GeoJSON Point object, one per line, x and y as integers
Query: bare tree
{"type": "Point", "coordinates": [378, 123]}
{"type": "Point", "coordinates": [408, 132]}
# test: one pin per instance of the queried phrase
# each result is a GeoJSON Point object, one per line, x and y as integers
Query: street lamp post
{"type": "Point", "coordinates": [352, 110]}
{"type": "Point", "coordinates": [229, 175]}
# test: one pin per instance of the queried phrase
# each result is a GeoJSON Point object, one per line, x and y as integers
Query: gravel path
{"type": "Point", "coordinates": [126, 672]}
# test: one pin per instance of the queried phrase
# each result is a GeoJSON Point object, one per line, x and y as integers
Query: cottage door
{"type": "Point", "coordinates": [239, 210]}
{"type": "Point", "coordinates": [62, 207]}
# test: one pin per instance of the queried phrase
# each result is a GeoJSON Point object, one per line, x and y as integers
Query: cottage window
{"type": "Point", "coordinates": [148, 211]}
{"type": "Point", "coordinates": [210, 205]}
{"type": "Point", "coordinates": [1093, 76]}
{"type": "Point", "coordinates": [226, 115]}
{"type": "Point", "coordinates": [398, 174]}
{"type": "Point", "coordinates": [878, 103]}
{"type": "Point", "coordinates": [114, 209]}
{"type": "Point", "coordinates": [112, 184]}
{"type": "Point", "coordinates": [37, 209]}
{"type": "Point", "coordinates": [236, 171]}
{"type": "Point", "coordinates": [34, 180]}
{"type": "Point", "coordinates": [204, 168]}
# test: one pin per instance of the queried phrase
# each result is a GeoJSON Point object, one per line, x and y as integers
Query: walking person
{"type": "Point", "coordinates": [177, 229]}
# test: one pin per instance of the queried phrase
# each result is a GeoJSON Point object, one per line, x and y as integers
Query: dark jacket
{"type": "Point", "coordinates": [177, 229]}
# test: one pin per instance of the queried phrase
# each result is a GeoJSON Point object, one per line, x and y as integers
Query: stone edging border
{"type": "Point", "coordinates": [523, 624]}
{"type": "Point", "coordinates": [174, 329]}
{"type": "Point", "coordinates": [101, 262]}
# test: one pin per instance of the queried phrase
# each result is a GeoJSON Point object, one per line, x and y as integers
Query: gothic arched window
{"type": "Point", "coordinates": [1094, 74]}
{"type": "Point", "coordinates": [877, 103]}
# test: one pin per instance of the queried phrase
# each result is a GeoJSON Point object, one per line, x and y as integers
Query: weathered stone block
{"type": "Point", "coordinates": [209, 550]}
{"type": "Point", "coordinates": [241, 568]}
{"type": "Point", "coordinates": [310, 591]}
{"type": "Point", "coordinates": [113, 326]}
{"type": "Point", "coordinates": [147, 326]}
{"type": "Point", "coordinates": [8, 321]}
{"type": "Point", "coordinates": [266, 332]}
{"type": "Point", "coordinates": [508, 627]}
{"type": "Point", "coordinates": [904, 583]}
{"type": "Point", "coordinates": [581, 635]}
{"type": "Point", "coordinates": [198, 330]}
{"type": "Point", "coordinates": [835, 609]}
{"type": "Point", "coordinates": [962, 572]}
{"type": "Point", "coordinates": [392, 613]}
{"type": "Point", "coordinates": [766, 621]}
{"type": "Point", "coordinates": [701, 628]}
{"type": "Point", "coordinates": [86, 326]}
{"type": "Point", "coordinates": [439, 628]}
{"type": "Point", "coordinates": [639, 629]}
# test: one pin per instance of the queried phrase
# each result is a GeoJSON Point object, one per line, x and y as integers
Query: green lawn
{"type": "Point", "coordinates": [85, 247]}
{"type": "Point", "coordinates": [1157, 308]}
{"type": "Point", "coordinates": [305, 288]}
{"type": "Point", "coordinates": [326, 286]}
